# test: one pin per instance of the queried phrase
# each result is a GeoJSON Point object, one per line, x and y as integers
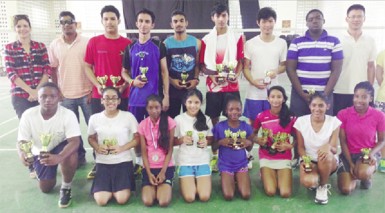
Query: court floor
{"type": "Point", "coordinates": [19, 193]}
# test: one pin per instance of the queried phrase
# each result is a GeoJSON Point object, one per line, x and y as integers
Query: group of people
{"type": "Point", "coordinates": [131, 95]}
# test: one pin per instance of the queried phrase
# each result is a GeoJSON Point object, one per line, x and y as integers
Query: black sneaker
{"type": "Point", "coordinates": [366, 184]}
{"type": "Point", "coordinates": [65, 198]}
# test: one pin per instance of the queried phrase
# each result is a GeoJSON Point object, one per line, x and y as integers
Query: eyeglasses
{"type": "Point", "coordinates": [69, 21]}
{"type": "Point", "coordinates": [110, 99]}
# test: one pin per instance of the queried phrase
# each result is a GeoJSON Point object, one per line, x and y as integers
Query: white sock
{"type": "Point", "coordinates": [65, 185]}
{"type": "Point", "coordinates": [139, 160]}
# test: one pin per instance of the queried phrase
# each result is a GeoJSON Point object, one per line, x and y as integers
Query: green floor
{"type": "Point", "coordinates": [19, 193]}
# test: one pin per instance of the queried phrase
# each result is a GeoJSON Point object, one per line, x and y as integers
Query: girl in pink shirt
{"type": "Point", "coordinates": [275, 163]}
{"type": "Point", "coordinates": [156, 140]}
{"type": "Point", "coordinates": [362, 127]}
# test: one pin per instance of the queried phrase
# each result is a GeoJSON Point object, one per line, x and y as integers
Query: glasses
{"type": "Point", "coordinates": [69, 21]}
{"type": "Point", "coordinates": [110, 99]}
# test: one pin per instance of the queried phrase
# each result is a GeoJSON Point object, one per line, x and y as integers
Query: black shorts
{"type": "Point", "coordinates": [114, 177]}
{"type": "Point", "coordinates": [175, 105]}
{"type": "Point", "coordinates": [216, 103]}
{"type": "Point", "coordinates": [169, 176]}
{"type": "Point", "coordinates": [344, 101]}
{"type": "Point", "coordinates": [344, 165]}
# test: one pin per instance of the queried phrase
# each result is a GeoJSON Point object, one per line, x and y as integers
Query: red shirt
{"type": "Point", "coordinates": [29, 67]}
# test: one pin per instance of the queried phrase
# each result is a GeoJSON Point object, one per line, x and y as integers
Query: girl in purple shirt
{"type": "Point", "coordinates": [362, 127]}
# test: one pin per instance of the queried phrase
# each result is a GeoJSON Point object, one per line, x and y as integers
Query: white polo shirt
{"type": "Point", "coordinates": [381, 62]}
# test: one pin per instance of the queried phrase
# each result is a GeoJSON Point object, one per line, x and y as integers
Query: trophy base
{"type": "Point", "coordinates": [43, 154]}
{"type": "Point", "coordinates": [30, 159]}
{"type": "Point", "coordinates": [231, 78]}
{"type": "Point", "coordinates": [183, 83]}
{"type": "Point", "coordinates": [267, 80]}
{"type": "Point", "coordinates": [365, 161]}
{"type": "Point", "coordinates": [200, 146]}
{"type": "Point", "coordinates": [189, 144]}
{"type": "Point", "coordinates": [272, 151]}
{"type": "Point", "coordinates": [143, 79]}
{"type": "Point", "coordinates": [221, 80]}
{"type": "Point", "coordinates": [308, 169]}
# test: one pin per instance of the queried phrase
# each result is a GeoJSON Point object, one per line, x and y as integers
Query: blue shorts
{"type": "Point", "coordinates": [48, 172]}
{"type": "Point", "coordinates": [169, 176]}
{"type": "Point", "coordinates": [232, 173]}
{"type": "Point", "coordinates": [114, 177]}
{"type": "Point", "coordinates": [254, 107]}
{"type": "Point", "coordinates": [194, 171]}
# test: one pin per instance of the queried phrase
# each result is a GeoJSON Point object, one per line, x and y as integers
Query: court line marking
{"type": "Point", "coordinates": [6, 97]}
{"type": "Point", "coordinates": [9, 132]}
{"type": "Point", "coordinates": [4, 122]}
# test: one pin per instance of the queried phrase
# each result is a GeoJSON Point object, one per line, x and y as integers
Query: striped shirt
{"type": "Point", "coordinates": [28, 67]}
{"type": "Point", "coordinates": [314, 59]}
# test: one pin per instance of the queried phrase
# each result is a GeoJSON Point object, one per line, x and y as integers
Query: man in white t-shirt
{"type": "Point", "coordinates": [359, 56]}
{"type": "Point", "coordinates": [60, 127]}
{"type": "Point", "coordinates": [265, 57]}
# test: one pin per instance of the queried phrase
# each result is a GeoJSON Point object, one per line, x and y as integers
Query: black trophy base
{"type": "Point", "coordinates": [43, 154]}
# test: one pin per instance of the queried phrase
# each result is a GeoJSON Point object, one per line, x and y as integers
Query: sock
{"type": "Point", "coordinates": [65, 185]}
{"type": "Point", "coordinates": [139, 160]}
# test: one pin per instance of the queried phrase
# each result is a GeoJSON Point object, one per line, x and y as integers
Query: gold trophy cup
{"type": "Point", "coordinates": [267, 79]}
{"type": "Point", "coordinates": [200, 144]}
{"type": "Point", "coordinates": [311, 91]}
{"type": "Point", "coordinates": [220, 79]}
{"type": "Point", "coordinates": [236, 143]}
{"type": "Point", "coordinates": [115, 80]}
{"type": "Point", "coordinates": [102, 80]}
{"type": "Point", "coordinates": [184, 77]}
{"type": "Point", "coordinates": [365, 155]}
{"type": "Point", "coordinates": [265, 133]}
{"type": "Point", "coordinates": [25, 147]}
{"type": "Point", "coordinates": [231, 67]}
{"type": "Point", "coordinates": [189, 133]}
{"type": "Point", "coordinates": [307, 161]}
{"type": "Point", "coordinates": [45, 141]}
{"type": "Point", "coordinates": [143, 71]}
{"type": "Point", "coordinates": [109, 143]}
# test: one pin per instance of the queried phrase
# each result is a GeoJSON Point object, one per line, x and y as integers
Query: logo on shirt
{"type": "Point", "coordinates": [182, 63]}
{"type": "Point", "coordinates": [141, 55]}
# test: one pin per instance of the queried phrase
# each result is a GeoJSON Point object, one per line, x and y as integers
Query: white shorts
{"type": "Point", "coordinates": [275, 164]}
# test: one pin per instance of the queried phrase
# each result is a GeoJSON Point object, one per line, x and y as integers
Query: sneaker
{"type": "Point", "coordinates": [366, 184]}
{"type": "Point", "coordinates": [65, 198]}
{"type": "Point", "coordinates": [32, 173]}
{"type": "Point", "coordinates": [91, 174]}
{"type": "Point", "coordinates": [138, 171]}
{"type": "Point", "coordinates": [321, 196]}
{"type": "Point", "coordinates": [381, 166]}
{"type": "Point", "coordinates": [250, 158]}
{"type": "Point", "coordinates": [214, 164]}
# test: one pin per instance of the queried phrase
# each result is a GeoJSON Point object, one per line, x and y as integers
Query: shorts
{"type": "Point", "coordinates": [380, 106]}
{"type": "Point", "coordinates": [175, 105]}
{"type": "Point", "coordinates": [48, 172]}
{"type": "Point", "coordinates": [194, 171]}
{"type": "Point", "coordinates": [216, 103]}
{"type": "Point", "coordinates": [169, 176]}
{"type": "Point", "coordinates": [254, 107]}
{"type": "Point", "coordinates": [140, 113]}
{"type": "Point", "coordinates": [241, 170]}
{"type": "Point", "coordinates": [275, 164]}
{"type": "Point", "coordinates": [344, 165]}
{"type": "Point", "coordinates": [344, 101]}
{"type": "Point", "coordinates": [114, 177]}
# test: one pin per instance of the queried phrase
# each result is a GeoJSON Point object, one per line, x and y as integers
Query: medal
{"type": "Point", "coordinates": [155, 158]}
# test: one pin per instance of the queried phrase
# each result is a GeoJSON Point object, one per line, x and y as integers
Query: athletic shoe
{"type": "Point", "coordinates": [321, 196]}
{"type": "Point", "coordinates": [250, 158]}
{"type": "Point", "coordinates": [91, 174]}
{"type": "Point", "coordinates": [138, 171]}
{"type": "Point", "coordinates": [381, 166]}
{"type": "Point", "coordinates": [32, 173]}
{"type": "Point", "coordinates": [366, 184]}
{"type": "Point", "coordinates": [294, 163]}
{"type": "Point", "coordinates": [214, 164]}
{"type": "Point", "coordinates": [65, 198]}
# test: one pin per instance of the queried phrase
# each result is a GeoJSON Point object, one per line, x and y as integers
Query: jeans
{"type": "Point", "coordinates": [73, 105]}
{"type": "Point", "coordinates": [22, 104]}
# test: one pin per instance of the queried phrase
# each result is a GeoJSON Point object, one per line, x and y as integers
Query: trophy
{"type": "Point", "coordinates": [220, 78]}
{"type": "Point", "coordinates": [25, 147]}
{"type": "Point", "coordinates": [266, 133]}
{"type": "Point", "coordinates": [365, 155]}
{"type": "Point", "coordinates": [102, 80]}
{"type": "Point", "coordinates": [272, 149]}
{"type": "Point", "coordinates": [45, 141]}
{"type": "Point", "coordinates": [282, 138]}
{"type": "Point", "coordinates": [201, 136]}
{"type": "Point", "coordinates": [236, 144]}
{"type": "Point", "coordinates": [307, 161]}
{"type": "Point", "coordinates": [114, 80]}
{"type": "Point", "coordinates": [184, 77]}
{"type": "Point", "coordinates": [231, 74]}
{"type": "Point", "coordinates": [189, 133]}
{"type": "Point", "coordinates": [311, 91]}
{"type": "Point", "coordinates": [109, 143]}
{"type": "Point", "coordinates": [267, 79]}
{"type": "Point", "coordinates": [143, 71]}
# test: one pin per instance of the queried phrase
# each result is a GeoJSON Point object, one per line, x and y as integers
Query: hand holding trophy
{"type": "Point", "coordinates": [220, 78]}
{"type": "Point", "coordinates": [110, 143]}
{"type": "Point", "coordinates": [45, 141]}
{"type": "Point", "coordinates": [236, 143]}
{"type": "Point", "coordinates": [115, 80]}
{"type": "Point", "coordinates": [201, 140]}
{"type": "Point", "coordinates": [227, 133]}
{"type": "Point", "coordinates": [231, 76]}
{"type": "Point", "coordinates": [189, 134]}
{"type": "Point", "coordinates": [184, 77]}
{"type": "Point", "coordinates": [365, 155]}
{"type": "Point", "coordinates": [265, 133]}
{"type": "Point", "coordinates": [267, 79]}
{"type": "Point", "coordinates": [307, 162]}
{"type": "Point", "coordinates": [102, 80]}
{"type": "Point", "coordinates": [143, 71]}
{"type": "Point", "coordinates": [25, 147]}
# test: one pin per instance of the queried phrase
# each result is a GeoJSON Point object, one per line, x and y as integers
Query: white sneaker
{"type": "Point", "coordinates": [321, 196]}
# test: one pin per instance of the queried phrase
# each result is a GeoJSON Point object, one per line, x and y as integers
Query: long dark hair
{"type": "Point", "coordinates": [200, 124]}
{"type": "Point", "coordinates": [285, 114]}
{"type": "Point", "coordinates": [368, 87]}
{"type": "Point", "coordinates": [164, 137]}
